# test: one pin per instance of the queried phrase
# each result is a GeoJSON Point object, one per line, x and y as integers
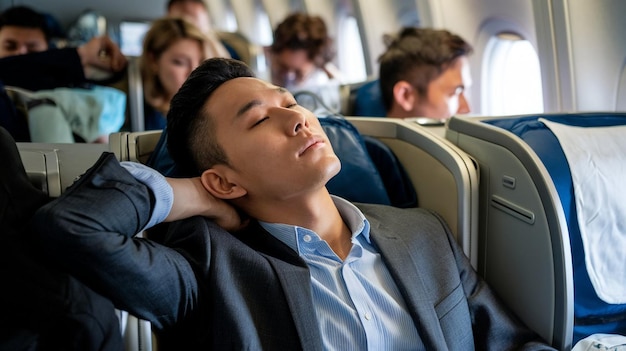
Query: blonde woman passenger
{"type": "Point", "coordinates": [172, 48]}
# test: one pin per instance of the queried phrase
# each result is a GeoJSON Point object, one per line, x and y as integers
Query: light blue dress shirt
{"type": "Point", "coordinates": [358, 304]}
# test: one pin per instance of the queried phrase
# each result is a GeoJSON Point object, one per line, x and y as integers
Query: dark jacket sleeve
{"type": "Point", "coordinates": [42, 308]}
{"type": "Point", "coordinates": [43, 70]}
{"type": "Point", "coordinates": [90, 230]}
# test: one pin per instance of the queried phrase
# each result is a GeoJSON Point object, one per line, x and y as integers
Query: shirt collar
{"type": "Point", "coordinates": [351, 215]}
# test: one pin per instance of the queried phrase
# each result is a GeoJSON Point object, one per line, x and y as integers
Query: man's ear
{"type": "Point", "coordinates": [404, 95]}
{"type": "Point", "coordinates": [218, 185]}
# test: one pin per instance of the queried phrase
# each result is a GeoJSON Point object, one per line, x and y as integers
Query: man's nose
{"type": "Point", "coordinates": [295, 122]}
{"type": "Point", "coordinates": [464, 106]}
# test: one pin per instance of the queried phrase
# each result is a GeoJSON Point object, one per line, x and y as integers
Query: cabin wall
{"type": "Point", "coordinates": [580, 43]}
{"type": "Point", "coordinates": [115, 11]}
{"type": "Point", "coordinates": [598, 52]}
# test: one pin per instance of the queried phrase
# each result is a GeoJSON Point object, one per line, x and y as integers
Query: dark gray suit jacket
{"type": "Point", "coordinates": [205, 288]}
{"type": "Point", "coordinates": [42, 307]}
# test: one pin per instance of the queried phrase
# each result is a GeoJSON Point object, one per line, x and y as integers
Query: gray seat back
{"type": "Point", "coordinates": [524, 251]}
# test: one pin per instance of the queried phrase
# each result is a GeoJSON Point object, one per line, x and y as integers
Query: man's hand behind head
{"type": "Point", "coordinates": [192, 199]}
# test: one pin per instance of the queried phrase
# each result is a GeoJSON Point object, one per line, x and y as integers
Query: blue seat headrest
{"type": "Point", "coordinates": [358, 180]}
{"type": "Point", "coordinates": [369, 101]}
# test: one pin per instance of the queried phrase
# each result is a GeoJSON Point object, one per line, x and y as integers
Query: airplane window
{"type": "Point", "coordinates": [131, 37]}
{"type": "Point", "coordinates": [351, 63]}
{"type": "Point", "coordinates": [223, 15]}
{"type": "Point", "coordinates": [511, 76]}
{"type": "Point", "coordinates": [263, 26]}
{"type": "Point", "coordinates": [229, 21]}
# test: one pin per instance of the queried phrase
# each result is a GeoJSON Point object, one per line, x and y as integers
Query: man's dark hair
{"type": "Point", "coordinates": [23, 16]}
{"type": "Point", "coordinates": [300, 31]}
{"type": "Point", "coordinates": [418, 55]}
{"type": "Point", "coordinates": [191, 139]}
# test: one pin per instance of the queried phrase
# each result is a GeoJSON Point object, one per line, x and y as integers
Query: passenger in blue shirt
{"type": "Point", "coordinates": [307, 271]}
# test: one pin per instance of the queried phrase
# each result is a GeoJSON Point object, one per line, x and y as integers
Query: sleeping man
{"type": "Point", "coordinates": [308, 270]}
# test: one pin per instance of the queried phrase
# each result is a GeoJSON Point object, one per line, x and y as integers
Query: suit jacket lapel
{"type": "Point", "coordinates": [403, 267]}
{"type": "Point", "coordinates": [293, 275]}
{"type": "Point", "coordinates": [297, 286]}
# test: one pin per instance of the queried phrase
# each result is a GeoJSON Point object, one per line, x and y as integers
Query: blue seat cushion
{"type": "Point", "coordinates": [397, 182]}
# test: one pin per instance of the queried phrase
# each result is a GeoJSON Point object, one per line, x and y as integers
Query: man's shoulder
{"type": "Point", "coordinates": [197, 224]}
{"type": "Point", "coordinates": [384, 212]}
{"type": "Point", "coordinates": [199, 231]}
{"type": "Point", "coordinates": [403, 221]}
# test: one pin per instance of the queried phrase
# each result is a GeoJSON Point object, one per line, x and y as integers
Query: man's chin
{"type": "Point", "coordinates": [333, 170]}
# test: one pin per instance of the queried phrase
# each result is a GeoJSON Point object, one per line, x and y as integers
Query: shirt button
{"type": "Point", "coordinates": [307, 238]}
{"type": "Point", "coordinates": [368, 316]}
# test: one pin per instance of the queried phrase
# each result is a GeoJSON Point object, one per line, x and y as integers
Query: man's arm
{"type": "Point", "coordinates": [43, 70]}
{"type": "Point", "coordinates": [187, 197]}
{"type": "Point", "coordinates": [61, 67]}
{"type": "Point", "coordinates": [90, 230]}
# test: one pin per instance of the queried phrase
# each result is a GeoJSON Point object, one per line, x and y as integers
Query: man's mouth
{"type": "Point", "coordinates": [312, 142]}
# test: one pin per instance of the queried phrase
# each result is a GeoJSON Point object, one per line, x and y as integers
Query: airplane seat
{"type": "Point", "coordinates": [64, 115]}
{"type": "Point", "coordinates": [368, 100]}
{"type": "Point", "coordinates": [529, 224]}
{"type": "Point", "coordinates": [359, 180]}
{"type": "Point", "coordinates": [347, 93]}
{"type": "Point", "coordinates": [444, 178]}
{"type": "Point", "coordinates": [395, 179]}
{"type": "Point", "coordinates": [54, 167]}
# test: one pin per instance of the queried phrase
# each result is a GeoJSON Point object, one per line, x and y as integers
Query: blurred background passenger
{"type": "Point", "coordinates": [22, 31]}
{"type": "Point", "coordinates": [67, 67]}
{"type": "Point", "coordinates": [425, 73]}
{"type": "Point", "coordinates": [25, 31]}
{"type": "Point", "coordinates": [300, 58]}
{"type": "Point", "coordinates": [196, 12]}
{"type": "Point", "coordinates": [42, 81]}
{"type": "Point", "coordinates": [172, 48]}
